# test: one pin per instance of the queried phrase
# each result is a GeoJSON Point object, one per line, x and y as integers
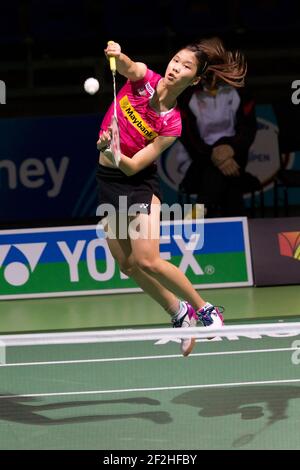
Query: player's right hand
{"type": "Point", "coordinates": [113, 49]}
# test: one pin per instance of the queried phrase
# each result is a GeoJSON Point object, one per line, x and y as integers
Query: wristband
{"type": "Point", "coordinates": [102, 149]}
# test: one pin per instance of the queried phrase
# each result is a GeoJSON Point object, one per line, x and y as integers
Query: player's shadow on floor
{"type": "Point", "coordinates": [26, 410]}
{"type": "Point", "coordinates": [251, 402]}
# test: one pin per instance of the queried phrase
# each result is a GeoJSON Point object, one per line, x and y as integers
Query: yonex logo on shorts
{"type": "Point", "coordinates": [2, 92]}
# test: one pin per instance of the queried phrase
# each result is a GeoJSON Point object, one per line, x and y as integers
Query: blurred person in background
{"type": "Point", "coordinates": [218, 128]}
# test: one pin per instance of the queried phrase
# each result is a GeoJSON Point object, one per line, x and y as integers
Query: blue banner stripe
{"type": "Point", "coordinates": [218, 238]}
{"type": "Point", "coordinates": [52, 252]}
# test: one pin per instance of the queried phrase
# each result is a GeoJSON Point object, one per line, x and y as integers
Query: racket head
{"type": "Point", "coordinates": [115, 141]}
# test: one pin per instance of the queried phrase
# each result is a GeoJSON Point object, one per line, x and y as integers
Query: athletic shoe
{"type": "Point", "coordinates": [210, 316]}
{"type": "Point", "coordinates": [187, 319]}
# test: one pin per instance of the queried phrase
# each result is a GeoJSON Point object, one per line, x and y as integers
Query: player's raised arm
{"type": "Point", "coordinates": [125, 66]}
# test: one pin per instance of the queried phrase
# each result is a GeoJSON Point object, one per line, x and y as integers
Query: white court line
{"type": "Point", "coordinates": [141, 358]}
{"type": "Point", "coordinates": [151, 389]}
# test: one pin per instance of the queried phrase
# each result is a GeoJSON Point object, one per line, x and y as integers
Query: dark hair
{"type": "Point", "coordinates": [215, 62]}
{"type": "Point", "coordinates": [201, 57]}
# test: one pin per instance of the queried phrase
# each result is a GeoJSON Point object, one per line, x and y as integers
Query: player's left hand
{"type": "Point", "coordinates": [103, 141]}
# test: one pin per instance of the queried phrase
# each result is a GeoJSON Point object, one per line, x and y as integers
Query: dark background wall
{"type": "Point", "coordinates": [48, 48]}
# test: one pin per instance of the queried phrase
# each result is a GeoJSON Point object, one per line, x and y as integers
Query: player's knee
{"type": "Point", "coordinates": [128, 267]}
{"type": "Point", "coordinates": [149, 265]}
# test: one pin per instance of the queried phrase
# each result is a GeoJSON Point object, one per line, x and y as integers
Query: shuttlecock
{"type": "Point", "coordinates": [91, 86]}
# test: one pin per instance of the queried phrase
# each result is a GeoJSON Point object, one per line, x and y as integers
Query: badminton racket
{"type": "Point", "coordinates": [115, 132]}
{"type": "Point", "coordinates": [247, 438]}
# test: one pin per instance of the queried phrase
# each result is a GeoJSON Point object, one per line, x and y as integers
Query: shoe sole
{"type": "Point", "coordinates": [222, 319]}
{"type": "Point", "coordinates": [189, 350]}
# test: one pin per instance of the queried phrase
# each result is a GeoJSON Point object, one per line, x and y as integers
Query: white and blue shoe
{"type": "Point", "coordinates": [210, 316]}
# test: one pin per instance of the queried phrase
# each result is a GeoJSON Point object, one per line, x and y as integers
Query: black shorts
{"type": "Point", "coordinates": [138, 189]}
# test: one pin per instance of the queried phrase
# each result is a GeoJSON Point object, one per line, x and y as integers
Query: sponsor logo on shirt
{"type": "Point", "coordinates": [146, 90]}
{"type": "Point", "coordinates": [135, 119]}
{"type": "Point", "coordinates": [149, 89]}
{"type": "Point", "coordinates": [142, 91]}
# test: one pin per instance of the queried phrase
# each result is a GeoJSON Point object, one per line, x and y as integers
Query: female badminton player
{"type": "Point", "coordinates": [149, 122]}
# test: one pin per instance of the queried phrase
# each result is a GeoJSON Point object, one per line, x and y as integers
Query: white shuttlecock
{"type": "Point", "coordinates": [91, 86]}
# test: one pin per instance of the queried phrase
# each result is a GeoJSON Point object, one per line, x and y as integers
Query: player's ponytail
{"type": "Point", "coordinates": [217, 63]}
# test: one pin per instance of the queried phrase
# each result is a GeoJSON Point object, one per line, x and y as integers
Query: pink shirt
{"type": "Point", "coordinates": [139, 123]}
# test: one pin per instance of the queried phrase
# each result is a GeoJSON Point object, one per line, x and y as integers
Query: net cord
{"type": "Point", "coordinates": [109, 336]}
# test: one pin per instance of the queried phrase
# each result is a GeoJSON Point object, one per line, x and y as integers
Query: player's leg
{"type": "Point", "coordinates": [146, 252]}
{"type": "Point", "coordinates": [182, 314]}
{"type": "Point", "coordinates": [119, 250]}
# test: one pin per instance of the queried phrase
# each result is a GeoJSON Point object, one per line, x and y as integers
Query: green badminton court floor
{"type": "Point", "coordinates": [231, 393]}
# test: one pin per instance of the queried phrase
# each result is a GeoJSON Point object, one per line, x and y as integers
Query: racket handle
{"type": "Point", "coordinates": [112, 61]}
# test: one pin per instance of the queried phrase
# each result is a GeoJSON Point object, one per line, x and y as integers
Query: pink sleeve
{"type": "Point", "coordinates": [150, 76]}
